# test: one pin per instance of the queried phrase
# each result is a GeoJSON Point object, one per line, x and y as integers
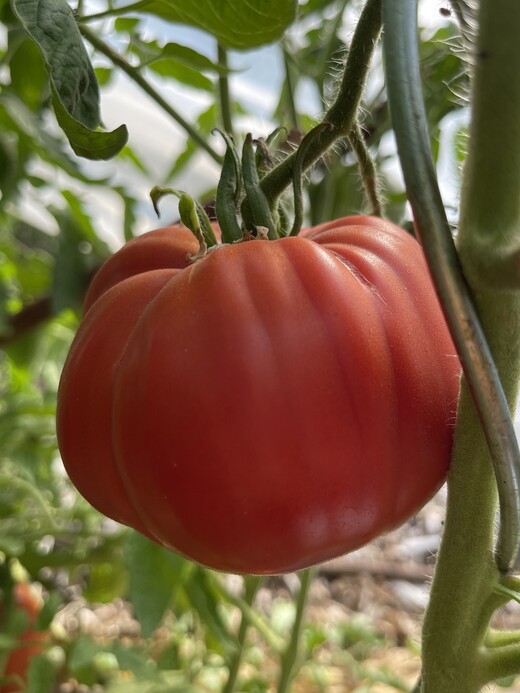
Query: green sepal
{"type": "Point", "coordinates": [192, 213]}
{"type": "Point", "coordinates": [265, 161]}
{"type": "Point", "coordinates": [284, 226]}
{"type": "Point", "coordinates": [229, 193]}
{"type": "Point", "coordinates": [255, 208]}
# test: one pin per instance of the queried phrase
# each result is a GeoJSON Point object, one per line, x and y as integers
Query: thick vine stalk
{"type": "Point", "coordinates": [463, 598]}
{"type": "Point", "coordinates": [341, 116]}
{"type": "Point", "coordinates": [407, 107]}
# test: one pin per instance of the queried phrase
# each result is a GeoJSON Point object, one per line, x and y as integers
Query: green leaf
{"type": "Point", "coordinates": [154, 574]}
{"type": "Point", "coordinates": [34, 136]}
{"type": "Point", "coordinates": [191, 58]}
{"type": "Point", "coordinates": [84, 221]}
{"type": "Point", "coordinates": [88, 143]}
{"type": "Point", "coordinates": [51, 24]}
{"type": "Point", "coordinates": [9, 169]}
{"type": "Point", "coordinates": [81, 659]}
{"type": "Point", "coordinates": [41, 675]}
{"type": "Point", "coordinates": [126, 24]}
{"type": "Point", "coordinates": [104, 75]}
{"type": "Point", "coordinates": [239, 24]}
{"type": "Point", "coordinates": [166, 67]}
{"type": "Point", "coordinates": [28, 74]}
{"type": "Point", "coordinates": [70, 274]}
{"type": "Point", "coordinates": [107, 581]}
{"type": "Point", "coordinates": [314, 6]}
{"type": "Point", "coordinates": [206, 599]}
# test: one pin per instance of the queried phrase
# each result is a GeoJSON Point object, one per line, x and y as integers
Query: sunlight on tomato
{"type": "Point", "coordinates": [270, 406]}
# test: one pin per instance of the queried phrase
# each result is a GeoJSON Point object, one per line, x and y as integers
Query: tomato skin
{"type": "Point", "coordinates": [282, 402]}
{"type": "Point", "coordinates": [85, 394]}
{"type": "Point", "coordinates": [167, 247]}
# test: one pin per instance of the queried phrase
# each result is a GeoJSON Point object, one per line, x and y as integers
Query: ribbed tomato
{"type": "Point", "coordinates": [269, 406]}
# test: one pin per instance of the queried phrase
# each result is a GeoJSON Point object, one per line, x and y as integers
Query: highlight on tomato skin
{"type": "Point", "coordinates": [270, 406]}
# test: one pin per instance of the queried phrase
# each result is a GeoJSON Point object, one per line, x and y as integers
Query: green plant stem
{"type": "Point", "coordinates": [328, 44]}
{"type": "Point", "coordinates": [30, 489]}
{"type": "Point", "coordinates": [342, 114]}
{"type": "Point", "coordinates": [368, 171]}
{"type": "Point", "coordinates": [290, 90]}
{"type": "Point", "coordinates": [290, 655]}
{"type": "Point", "coordinates": [501, 662]}
{"type": "Point", "coordinates": [252, 584]}
{"type": "Point", "coordinates": [454, 658]}
{"type": "Point", "coordinates": [137, 77]}
{"type": "Point", "coordinates": [502, 638]}
{"type": "Point", "coordinates": [255, 619]}
{"type": "Point", "coordinates": [116, 11]}
{"type": "Point", "coordinates": [223, 90]}
{"type": "Point", "coordinates": [511, 582]}
{"type": "Point", "coordinates": [407, 108]}
{"type": "Point", "coordinates": [489, 234]}
{"type": "Point", "coordinates": [297, 177]}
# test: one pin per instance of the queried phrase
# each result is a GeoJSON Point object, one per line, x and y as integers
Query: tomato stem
{"type": "Point", "coordinates": [115, 11]}
{"type": "Point", "coordinates": [251, 585]}
{"type": "Point", "coordinates": [463, 595]}
{"type": "Point", "coordinates": [137, 77]}
{"type": "Point", "coordinates": [407, 107]}
{"type": "Point", "coordinates": [490, 201]}
{"type": "Point", "coordinates": [342, 114]}
{"type": "Point", "coordinates": [290, 88]}
{"type": "Point", "coordinates": [298, 175]}
{"type": "Point", "coordinates": [290, 655]}
{"type": "Point", "coordinates": [368, 171]}
{"type": "Point", "coordinates": [226, 114]}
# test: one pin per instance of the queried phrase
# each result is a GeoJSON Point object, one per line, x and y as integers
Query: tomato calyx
{"type": "Point", "coordinates": [243, 211]}
{"type": "Point", "coordinates": [240, 194]}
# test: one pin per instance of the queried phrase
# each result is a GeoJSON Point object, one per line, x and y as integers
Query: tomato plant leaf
{"type": "Point", "coordinates": [191, 58]}
{"type": "Point", "coordinates": [238, 24]}
{"type": "Point", "coordinates": [31, 131]}
{"type": "Point", "coordinates": [154, 572]}
{"type": "Point", "coordinates": [51, 24]}
{"type": "Point", "coordinates": [90, 144]}
{"type": "Point", "coordinates": [70, 270]}
{"type": "Point", "coordinates": [166, 67]}
{"type": "Point", "coordinates": [28, 74]}
{"type": "Point", "coordinates": [206, 600]}
{"type": "Point", "coordinates": [41, 675]}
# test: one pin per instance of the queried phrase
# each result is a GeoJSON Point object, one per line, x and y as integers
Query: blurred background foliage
{"type": "Point", "coordinates": [189, 617]}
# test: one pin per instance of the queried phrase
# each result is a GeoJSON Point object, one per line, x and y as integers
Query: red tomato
{"type": "Point", "coordinates": [168, 247]}
{"type": "Point", "coordinates": [270, 406]}
{"type": "Point", "coordinates": [27, 598]}
{"type": "Point", "coordinates": [30, 642]}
